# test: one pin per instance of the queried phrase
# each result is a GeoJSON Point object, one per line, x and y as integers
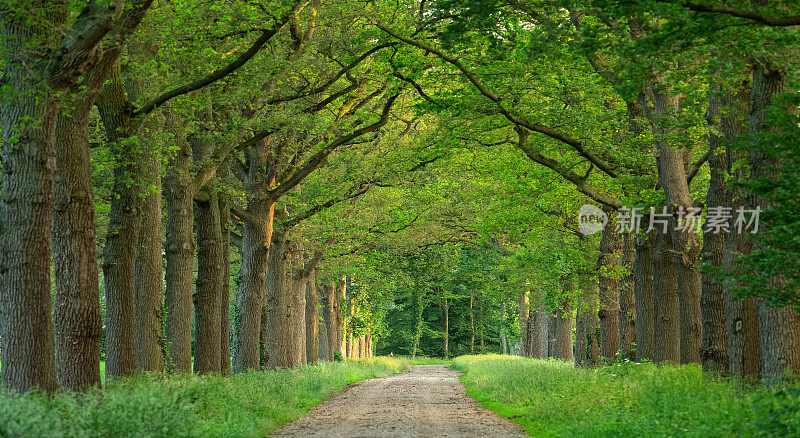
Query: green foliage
{"type": "Point", "coordinates": [244, 405]}
{"type": "Point", "coordinates": [553, 398]}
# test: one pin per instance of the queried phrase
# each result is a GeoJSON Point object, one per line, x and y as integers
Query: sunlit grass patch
{"type": "Point", "coordinates": [243, 405]}
{"type": "Point", "coordinates": [553, 398]}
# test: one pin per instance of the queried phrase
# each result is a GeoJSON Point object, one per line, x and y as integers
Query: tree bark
{"type": "Point", "coordinates": [645, 306]}
{"type": "Point", "coordinates": [26, 212]}
{"type": "Point", "coordinates": [149, 279]}
{"type": "Point", "coordinates": [523, 304]}
{"type": "Point", "coordinates": [608, 265]}
{"type": "Point", "coordinates": [447, 328]}
{"type": "Point", "coordinates": [180, 250]}
{"type": "Point", "coordinates": [563, 329]}
{"type": "Point", "coordinates": [779, 329]}
{"type": "Point", "coordinates": [124, 222]}
{"type": "Point", "coordinates": [714, 346]}
{"type": "Point", "coordinates": [331, 319]}
{"type": "Point", "coordinates": [78, 325]}
{"type": "Point", "coordinates": [279, 303]}
{"type": "Point", "coordinates": [256, 236]}
{"type": "Point", "coordinates": [208, 299]}
{"type": "Point", "coordinates": [685, 243]}
{"type": "Point", "coordinates": [225, 275]}
{"type": "Point", "coordinates": [471, 323]}
{"type": "Point", "coordinates": [627, 300]}
{"type": "Point", "coordinates": [312, 319]}
{"type": "Point", "coordinates": [666, 327]}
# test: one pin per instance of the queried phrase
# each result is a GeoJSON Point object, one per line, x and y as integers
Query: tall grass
{"type": "Point", "coordinates": [244, 405]}
{"type": "Point", "coordinates": [553, 398]}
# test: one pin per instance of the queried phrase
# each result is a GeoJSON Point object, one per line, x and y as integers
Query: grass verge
{"type": "Point", "coordinates": [244, 405]}
{"type": "Point", "coordinates": [553, 398]}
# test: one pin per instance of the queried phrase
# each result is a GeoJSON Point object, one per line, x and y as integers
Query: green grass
{"type": "Point", "coordinates": [244, 405]}
{"type": "Point", "coordinates": [552, 398]}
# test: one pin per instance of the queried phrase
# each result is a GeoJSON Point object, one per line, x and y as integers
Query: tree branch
{"type": "Point", "coordinates": [316, 160]}
{"type": "Point", "coordinates": [513, 118]}
{"type": "Point", "coordinates": [791, 20]}
{"type": "Point", "coordinates": [266, 35]}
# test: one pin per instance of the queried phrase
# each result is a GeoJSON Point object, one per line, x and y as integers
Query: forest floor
{"type": "Point", "coordinates": [425, 400]}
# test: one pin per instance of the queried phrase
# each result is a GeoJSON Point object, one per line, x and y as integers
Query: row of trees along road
{"type": "Point", "coordinates": [222, 187]}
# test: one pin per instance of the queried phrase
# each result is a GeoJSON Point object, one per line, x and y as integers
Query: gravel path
{"type": "Point", "coordinates": [426, 400]}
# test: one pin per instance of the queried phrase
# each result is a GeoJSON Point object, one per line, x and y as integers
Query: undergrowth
{"type": "Point", "coordinates": [243, 405]}
{"type": "Point", "coordinates": [553, 398]}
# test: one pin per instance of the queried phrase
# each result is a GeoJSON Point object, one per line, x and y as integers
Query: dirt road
{"type": "Point", "coordinates": [424, 401]}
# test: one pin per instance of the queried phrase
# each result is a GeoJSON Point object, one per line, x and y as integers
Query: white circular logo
{"type": "Point", "coordinates": [591, 219]}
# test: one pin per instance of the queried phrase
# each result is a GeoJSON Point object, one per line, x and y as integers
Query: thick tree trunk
{"type": "Point", "coordinates": [502, 331]}
{"type": "Point", "coordinates": [149, 272]}
{"type": "Point", "coordinates": [536, 335]}
{"type": "Point", "coordinates": [447, 328]}
{"type": "Point", "coordinates": [225, 276]}
{"type": "Point", "coordinates": [351, 309]}
{"type": "Point", "coordinates": [279, 303]}
{"type": "Point", "coordinates": [297, 314]}
{"type": "Point", "coordinates": [685, 242]}
{"type": "Point", "coordinates": [523, 304]}
{"type": "Point", "coordinates": [471, 322]}
{"type": "Point", "coordinates": [331, 319]}
{"type": "Point", "coordinates": [627, 300]}
{"type": "Point", "coordinates": [643, 291]}
{"type": "Point", "coordinates": [256, 236]}
{"type": "Point", "coordinates": [608, 264]}
{"type": "Point", "coordinates": [26, 212]}
{"type": "Point", "coordinates": [714, 346]}
{"type": "Point", "coordinates": [180, 250]}
{"type": "Point", "coordinates": [779, 329]}
{"type": "Point", "coordinates": [666, 328]}
{"type": "Point", "coordinates": [341, 294]}
{"type": "Point", "coordinates": [78, 326]}
{"type": "Point", "coordinates": [563, 332]}
{"type": "Point", "coordinates": [312, 319]}
{"type": "Point", "coordinates": [580, 338]}
{"type": "Point", "coordinates": [124, 222]}
{"type": "Point", "coordinates": [208, 299]}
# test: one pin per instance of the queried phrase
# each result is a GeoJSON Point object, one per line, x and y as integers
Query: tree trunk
{"type": "Point", "coordinates": [643, 290]}
{"type": "Point", "coordinates": [225, 276]}
{"type": "Point", "coordinates": [78, 325]}
{"type": "Point", "coordinates": [447, 328]}
{"type": "Point", "coordinates": [124, 222]}
{"type": "Point", "coordinates": [26, 212]}
{"type": "Point", "coordinates": [685, 243]}
{"type": "Point", "coordinates": [714, 346]}
{"type": "Point", "coordinates": [149, 279]}
{"type": "Point", "coordinates": [627, 301]}
{"type": "Point", "coordinates": [524, 310]}
{"type": "Point", "coordinates": [312, 319]}
{"type": "Point", "coordinates": [341, 292]}
{"type": "Point", "coordinates": [563, 332]}
{"type": "Point", "coordinates": [331, 319]}
{"type": "Point", "coordinates": [536, 335]}
{"type": "Point", "coordinates": [208, 299]}
{"type": "Point", "coordinates": [608, 263]}
{"type": "Point", "coordinates": [279, 303]}
{"type": "Point", "coordinates": [180, 250]}
{"type": "Point", "coordinates": [666, 328]}
{"type": "Point", "coordinates": [471, 323]}
{"type": "Point", "coordinates": [502, 331]}
{"type": "Point", "coordinates": [256, 236]}
{"type": "Point", "coordinates": [779, 329]}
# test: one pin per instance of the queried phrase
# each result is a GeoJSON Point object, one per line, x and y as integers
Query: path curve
{"type": "Point", "coordinates": [423, 401]}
